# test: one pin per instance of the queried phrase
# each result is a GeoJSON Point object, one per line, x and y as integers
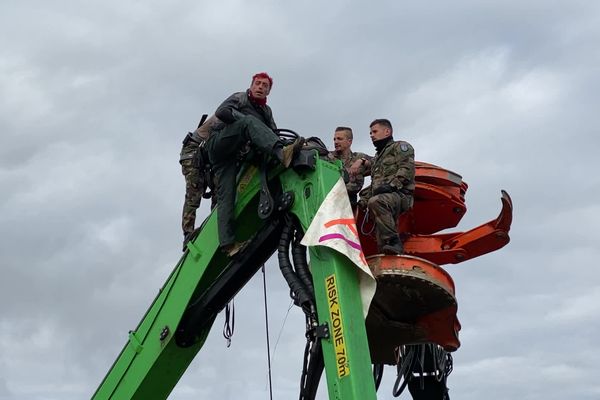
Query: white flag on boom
{"type": "Point", "coordinates": [334, 226]}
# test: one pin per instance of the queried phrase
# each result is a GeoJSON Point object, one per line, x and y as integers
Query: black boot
{"type": "Point", "coordinates": [186, 238]}
{"type": "Point", "coordinates": [285, 154]}
{"type": "Point", "coordinates": [393, 247]}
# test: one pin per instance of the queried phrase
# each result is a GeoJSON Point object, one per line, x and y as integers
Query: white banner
{"type": "Point", "coordinates": [334, 226]}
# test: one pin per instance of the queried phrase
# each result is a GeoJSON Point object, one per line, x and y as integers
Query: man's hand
{"type": "Point", "coordinates": [385, 188]}
{"type": "Point", "coordinates": [355, 167]}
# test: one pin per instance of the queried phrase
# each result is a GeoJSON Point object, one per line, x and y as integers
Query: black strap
{"type": "Point", "coordinates": [190, 138]}
{"type": "Point", "coordinates": [202, 120]}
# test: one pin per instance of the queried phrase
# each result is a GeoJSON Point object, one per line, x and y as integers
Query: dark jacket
{"type": "Point", "coordinates": [238, 105]}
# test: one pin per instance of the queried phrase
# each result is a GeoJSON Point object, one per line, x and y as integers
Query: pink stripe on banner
{"type": "Point", "coordinates": [340, 236]}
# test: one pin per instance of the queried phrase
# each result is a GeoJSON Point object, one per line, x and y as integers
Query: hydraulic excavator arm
{"type": "Point", "coordinates": [414, 303]}
{"type": "Point", "coordinates": [204, 280]}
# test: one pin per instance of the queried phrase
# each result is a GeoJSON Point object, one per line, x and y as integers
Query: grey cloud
{"type": "Point", "coordinates": [96, 100]}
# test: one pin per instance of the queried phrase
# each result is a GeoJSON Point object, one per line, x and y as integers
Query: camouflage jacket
{"type": "Point", "coordinates": [394, 165]}
{"type": "Point", "coordinates": [355, 183]}
{"type": "Point", "coordinates": [238, 105]}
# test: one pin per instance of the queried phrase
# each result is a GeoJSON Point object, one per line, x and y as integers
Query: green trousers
{"type": "Point", "coordinates": [223, 147]}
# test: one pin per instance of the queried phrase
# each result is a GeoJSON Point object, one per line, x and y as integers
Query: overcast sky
{"type": "Point", "coordinates": [95, 98]}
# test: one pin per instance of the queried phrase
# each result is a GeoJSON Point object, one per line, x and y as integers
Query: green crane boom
{"type": "Point", "coordinates": [174, 328]}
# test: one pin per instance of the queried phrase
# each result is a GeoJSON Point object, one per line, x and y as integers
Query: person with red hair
{"type": "Point", "coordinates": [246, 119]}
{"type": "Point", "coordinates": [263, 75]}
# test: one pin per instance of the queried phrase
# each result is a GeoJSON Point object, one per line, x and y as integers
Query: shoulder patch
{"type": "Point", "coordinates": [404, 146]}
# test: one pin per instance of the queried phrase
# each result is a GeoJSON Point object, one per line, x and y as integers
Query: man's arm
{"type": "Point", "coordinates": [361, 166]}
{"type": "Point", "coordinates": [405, 162]}
{"type": "Point", "coordinates": [203, 131]}
{"type": "Point", "coordinates": [228, 111]}
{"type": "Point", "coordinates": [269, 117]}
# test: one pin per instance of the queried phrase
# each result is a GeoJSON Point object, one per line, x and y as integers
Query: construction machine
{"type": "Point", "coordinates": [408, 320]}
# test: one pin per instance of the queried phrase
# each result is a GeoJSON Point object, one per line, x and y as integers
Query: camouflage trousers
{"type": "Point", "coordinates": [385, 209]}
{"type": "Point", "coordinates": [194, 189]}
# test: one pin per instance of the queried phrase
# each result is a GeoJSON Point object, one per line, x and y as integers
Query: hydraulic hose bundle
{"type": "Point", "coordinates": [424, 368]}
{"type": "Point", "coordinates": [301, 263]}
{"type": "Point", "coordinates": [300, 293]}
{"type": "Point", "coordinates": [299, 279]}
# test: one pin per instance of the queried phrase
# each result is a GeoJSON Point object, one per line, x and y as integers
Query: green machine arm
{"type": "Point", "coordinates": [174, 328]}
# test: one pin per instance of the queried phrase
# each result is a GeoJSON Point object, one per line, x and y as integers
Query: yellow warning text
{"type": "Point", "coordinates": [337, 329]}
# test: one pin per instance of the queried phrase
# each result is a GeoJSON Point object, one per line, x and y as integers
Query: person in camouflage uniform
{"type": "Point", "coordinates": [392, 185]}
{"type": "Point", "coordinates": [246, 119]}
{"type": "Point", "coordinates": [196, 173]}
{"type": "Point", "coordinates": [354, 175]}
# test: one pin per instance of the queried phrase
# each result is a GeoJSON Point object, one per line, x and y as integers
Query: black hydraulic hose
{"type": "Point", "coordinates": [302, 297]}
{"type": "Point", "coordinates": [407, 359]}
{"type": "Point", "coordinates": [314, 364]}
{"type": "Point", "coordinates": [428, 363]}
{"type": "Point", "coordinates": [301, 264]}
{"type": "Point", "coordinates": [304, 376]}
{"type": "Point", "coordinates": [377, 374]}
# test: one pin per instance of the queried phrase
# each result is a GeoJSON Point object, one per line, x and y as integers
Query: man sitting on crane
{"type": "Point", "coordinates": [247, 119]}
{"type": "Point", "coordinates": [392, 185]}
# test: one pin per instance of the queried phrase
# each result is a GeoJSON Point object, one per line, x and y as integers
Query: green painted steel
{"type": "Point", "coordinates": [151, 363]}
{"type": "Point", "coordinates": [149, 367]}
{"type": "Point", "coordinates": [335, 279]}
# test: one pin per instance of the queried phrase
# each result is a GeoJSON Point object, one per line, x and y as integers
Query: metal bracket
{"type": "Point", "coordinates": [135, 343]}
{"type": "Point", "coordinates": [164, 333]}
{"type": "Point", "coordinates": [285, 201]}
{"type": "Point", "coordinates": [319, 331]}
{"type": "Point", "coordinates": [266, 204]}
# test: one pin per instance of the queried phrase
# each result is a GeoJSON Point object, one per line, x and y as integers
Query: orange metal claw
{"type": "Point", "coordinates": [452, 248]}
{"type": "Point", "coordinates": [439, 203]}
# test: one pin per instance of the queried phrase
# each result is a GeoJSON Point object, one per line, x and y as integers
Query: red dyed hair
{"type": "Point", "coordinates": [263, 75]}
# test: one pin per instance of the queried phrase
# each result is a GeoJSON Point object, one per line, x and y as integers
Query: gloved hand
{"type": "Point", "coordinates": [385, 188]}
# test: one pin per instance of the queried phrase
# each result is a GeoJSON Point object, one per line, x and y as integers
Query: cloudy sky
{"type": "Point", "coordinates": [96, 96]}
